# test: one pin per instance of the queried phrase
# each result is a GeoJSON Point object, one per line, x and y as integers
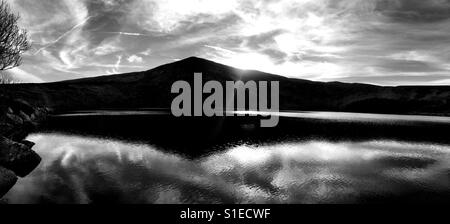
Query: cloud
{"type": "Point", "coordinates": [116, 67]}
{"type": "Point", "coordinates": [146, 52]}
{"type": "Point", "coordinates": [415, 10]}
{"type": "Point", "coordinates": [134, 59]}
{"type": "Point", "coordinates": [324, 40]}
{"type": "Point", "coordinates": [107, 47]}
{"type": "Point", "coordinates": [64, 35]}
{"type": "Point", "coordinates": [167, 16]}
{"type": "Point", "coordinates": [21, 76]}
{"type": "Point", "coordinates": [223, 50]}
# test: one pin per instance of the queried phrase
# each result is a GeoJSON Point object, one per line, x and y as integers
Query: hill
{"type": "Point", "coordinates": [151, 89]}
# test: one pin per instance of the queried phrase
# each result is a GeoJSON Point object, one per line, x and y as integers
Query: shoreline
{"type": "Point", "coordinates": [17, 159]}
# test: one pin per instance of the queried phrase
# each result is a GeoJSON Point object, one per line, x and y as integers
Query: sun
{"type": "Point", "coordinates": [249, 61]}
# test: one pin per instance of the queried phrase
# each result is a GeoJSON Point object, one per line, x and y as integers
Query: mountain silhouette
{"type": "Point", "coordinates": [151, 89]}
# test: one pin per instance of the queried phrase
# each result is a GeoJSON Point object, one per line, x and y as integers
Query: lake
{"type": "Point", "coordinates": [311, 157]}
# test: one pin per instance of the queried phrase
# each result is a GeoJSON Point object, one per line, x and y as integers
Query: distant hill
{"type": "Point", "coordinates": [151, 89]}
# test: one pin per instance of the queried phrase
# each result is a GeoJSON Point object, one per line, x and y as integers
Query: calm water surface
{"type": "Point", "coordinates": [78, 168]}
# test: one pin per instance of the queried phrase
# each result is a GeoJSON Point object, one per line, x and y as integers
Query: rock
{"type": "Point", "coordinates": [24, 116]}
{"type": "Point", "coordinates": [28, 143]}
{"type": "Point", "coordinates": [7, 180]}
{"type": "Point", "coordinates": [40, 113]}
{"type": "Point", "coordinates": [15, 120]}
{"type": "Point", "coordinates": [5, 128]}
{"type": "Point", "coordinates": [22, 105]}
{"type": "Point", "coordinates": [18, 157]}
{"type": "Point", "coordinates": [20, 133]}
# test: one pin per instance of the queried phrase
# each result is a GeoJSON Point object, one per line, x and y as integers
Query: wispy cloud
{"type": "Point", "coordinates": [63, 35]}
{"type": "Point", "coordinates": [391, 42]}
{"type": "Point", "coordinates": [116, 67]}
{"type": "Point", "coordinates": [129, 34]}
{"type": "Point", "coordinates": [23, 76]}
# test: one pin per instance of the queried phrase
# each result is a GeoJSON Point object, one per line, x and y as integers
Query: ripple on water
{"type": "Point", "coordinates": [77, 169]}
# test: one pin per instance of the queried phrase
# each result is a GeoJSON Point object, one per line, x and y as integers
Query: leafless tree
{"type": "Point", "coordinates": [13, 40]}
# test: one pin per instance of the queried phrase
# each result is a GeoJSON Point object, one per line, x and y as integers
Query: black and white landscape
{"type": "Point", "coordinates": [364, 102]}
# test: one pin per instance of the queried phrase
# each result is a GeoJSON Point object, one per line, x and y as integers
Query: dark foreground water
{"type": "Point", "coordinates": [309, 158]}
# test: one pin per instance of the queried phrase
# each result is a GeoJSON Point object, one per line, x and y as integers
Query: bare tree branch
{"type": "Point", "coordinates": [13, 40]}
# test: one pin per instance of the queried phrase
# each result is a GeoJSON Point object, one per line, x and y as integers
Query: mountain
{"type": "Point", "coordinates": [151, 89]}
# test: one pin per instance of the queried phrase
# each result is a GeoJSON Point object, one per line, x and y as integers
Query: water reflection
{"type": "Point", "coordinates": [354, 117]}
{"type": "Point", "coordinates": [77, 169]}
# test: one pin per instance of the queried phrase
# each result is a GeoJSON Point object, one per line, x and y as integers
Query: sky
{"type": "Point", "coordinates": [384, 42]}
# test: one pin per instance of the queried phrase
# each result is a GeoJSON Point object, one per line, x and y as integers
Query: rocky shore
{"type": "Point", "coordinates": [17, 159]}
